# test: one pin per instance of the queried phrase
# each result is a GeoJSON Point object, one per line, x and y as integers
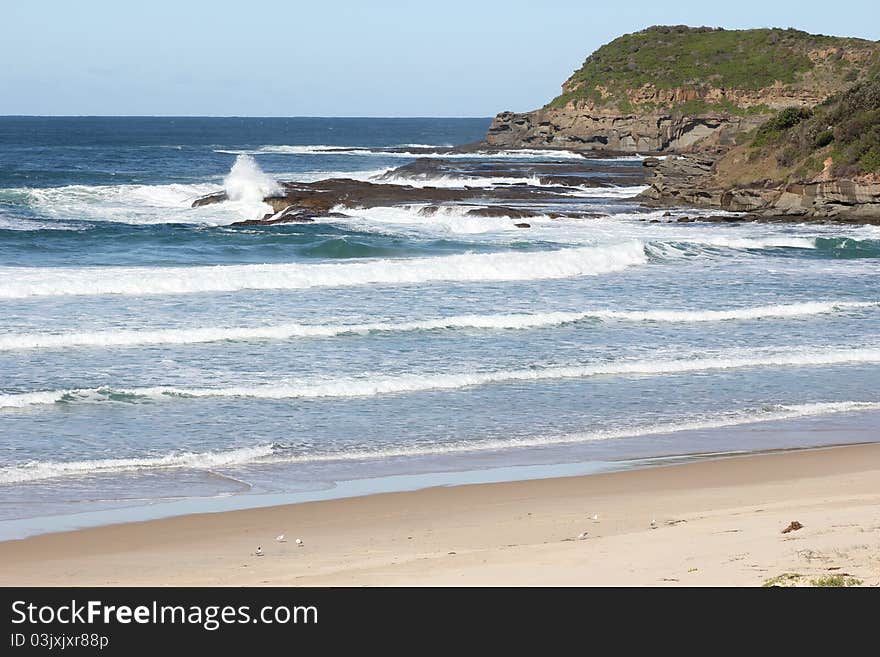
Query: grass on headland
{"type": "Point", "coordinates": [846, 127]}
{"type": "Point", "coordinates": [682, 57]}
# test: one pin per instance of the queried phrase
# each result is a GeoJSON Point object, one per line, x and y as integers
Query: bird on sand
{"type": "Point", "coordinates": [582, 536]}
{"type": "Point", "coordinates": [299, 542]}
{"type": "Point", "coordinates": [653, 523]}
{"type": "Point", "coordinates": [595, 517]}
{"type": "Point", "coordinates": [259, 551]}
{"type": "Point", "coordinates": [280, 538]}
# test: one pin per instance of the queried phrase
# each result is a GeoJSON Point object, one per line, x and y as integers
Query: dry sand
{"type": "Point", "coordinates": [718, 522]}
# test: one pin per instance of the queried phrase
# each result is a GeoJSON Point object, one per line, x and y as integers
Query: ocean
{"type": "Point", "coordinates": [153, 355]}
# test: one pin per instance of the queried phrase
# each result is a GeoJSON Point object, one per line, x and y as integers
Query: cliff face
{"type": "Point", "coordinates": [693, 180]}
{"type": "Point", "coordinates": [679, 89]}
{"type": "Point", "coordinates": [822, 162]}
{"type": "Point", "coordinates": [599, 129]}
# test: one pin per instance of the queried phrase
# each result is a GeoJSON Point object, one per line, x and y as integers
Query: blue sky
{"type": "Point", "coordinates": [313, 58]}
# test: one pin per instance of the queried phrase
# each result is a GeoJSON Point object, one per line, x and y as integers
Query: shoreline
{"type": "Point", "coordinates": [718, 522]}
{"type": "Point", "coordinates": [548, 462]}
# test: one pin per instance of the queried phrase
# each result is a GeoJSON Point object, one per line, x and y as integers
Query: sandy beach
{"type": "Point", "coordinates": [717, 522]}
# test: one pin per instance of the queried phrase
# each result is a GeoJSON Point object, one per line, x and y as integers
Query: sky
{"type": "Point", "coordinates": [339, 58]}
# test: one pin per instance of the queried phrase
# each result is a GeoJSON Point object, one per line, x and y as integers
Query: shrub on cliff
{"type": "Point", "coordinates": [698, 59]}
{"type": "Point", "coordinates": [845, 127]}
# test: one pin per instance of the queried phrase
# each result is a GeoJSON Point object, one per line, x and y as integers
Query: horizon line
{"type": "Point", "coordinates": [223, 116]}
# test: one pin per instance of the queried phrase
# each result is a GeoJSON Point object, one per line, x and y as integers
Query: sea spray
{"type": "Point", "coordinates": [247, 185]}
{"type": "Point", "coordinates": [246, 181]}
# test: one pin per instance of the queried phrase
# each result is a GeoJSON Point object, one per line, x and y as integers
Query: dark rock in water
{"type": "Point", "coordinates": [501, 211]}
{"type": "Point", "coordinates": [651, 162]}
{"type": "Point", "coordinates": [684, 220]}
{"type": "Point", "coordinates": [523, 225]}
{"type": "Point", "coordinates": [290, 215]}
{"type": "Point", "coordinates": [216, 197]}
{"type": "Point", "coordinates": [575, 215]}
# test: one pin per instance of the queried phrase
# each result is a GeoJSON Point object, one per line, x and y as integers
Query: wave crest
{"type": "Point", "coordinates": [42, 470]}
{"type": "Point", "coordinates": [512, 321]}
{"type": "Point", "coordinates": [24, 282]}
{"type": "Point", "coordinates": [374, 385]}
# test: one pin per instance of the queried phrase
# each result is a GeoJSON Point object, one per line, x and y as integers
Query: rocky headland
{"type": "Point", "coordinates": [779, 124]}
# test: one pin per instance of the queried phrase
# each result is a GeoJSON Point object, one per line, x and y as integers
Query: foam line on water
{"type": "Point", "coordinates": [325, 149]}
{"type": "Point", "coordinates": [511, 321]}
{"type": "Point", "coordinates": [271, 454]}
{"type": "Point", "coordinates": [24, 282]}
{"type": "Point", "coordinates": [370, 385]}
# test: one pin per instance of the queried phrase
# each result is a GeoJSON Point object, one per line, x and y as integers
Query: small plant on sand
{"type": "Point", "coordinates": [838, 581]}
{"type": "Point", "coordinates": [785, 579]}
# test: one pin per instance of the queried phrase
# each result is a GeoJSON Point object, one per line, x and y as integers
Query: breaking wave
{"type": "Point", "coordinates": [515, 321]}
{"type": "Point", "coordinates": [38, 470]}
{"type": "Point", "coordinates": [43, 470]}
{"type": "Point", "coordinates": [23, 282]}
{"type": "Point", "coordinates": [374, 385]}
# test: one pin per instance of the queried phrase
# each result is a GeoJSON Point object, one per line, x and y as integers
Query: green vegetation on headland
{"type": "Point", "coordinates": [733, 62]}
{"type": "Point", "coordinates": [846, 128]}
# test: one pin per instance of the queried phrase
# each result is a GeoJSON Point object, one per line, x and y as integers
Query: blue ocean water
{"type": "Point", "coordinates": [152, 351]}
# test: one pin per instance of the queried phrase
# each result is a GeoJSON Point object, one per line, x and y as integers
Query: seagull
{"type": "Point", "coordinates": [582, 536]}
{"type": "Point", "coordinates": [281, 539]}
{"type": "Point", "coordinates": [653, 523]}
{"type": "Point", "coordinates": [259, 551]}
{"type": "Point", "coordinates": [595, 517]}
{"type": "Point", "coordinates": [299, 542]}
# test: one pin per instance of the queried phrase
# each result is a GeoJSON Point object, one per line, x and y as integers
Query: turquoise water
{"type": "Point", "coordinates": [151, 351]}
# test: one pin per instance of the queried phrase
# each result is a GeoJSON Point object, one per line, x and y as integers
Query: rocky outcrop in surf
{"type": "Point", "coordinates": [484, 189]}
{"type": "Point", "coordinates": [693, 180]}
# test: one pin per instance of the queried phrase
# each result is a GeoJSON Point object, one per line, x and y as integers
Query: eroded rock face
{"type": "Point", "coordinates": [692, 180]}
{"type": "Point", "coordinates": [593, 129]}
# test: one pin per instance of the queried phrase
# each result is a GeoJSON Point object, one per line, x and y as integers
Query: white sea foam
{"type": "Point", "coordinates": [443, 219]}
{"type": "Point", "coordinates": [456, 182]}
{"type": "Point", "coordinates": [264, 454]}
{"type": "Point", "coordinates": [326, 149]}
{"type": "Point", "coordinates": [22, 282]}
{"type": "Point", "coordinates": [771, 242]}
{"type": "Point", "coordinates": [247, 185]}
{"type": "Point", "coordinates": [773, 413]}
{"type": "Point", "coordinates": [132, 204]}
{"type": "Point", "coordinates": [513, 321]}
{"type": "Point", "coordinates": [607, 192]}
{"type": "Point", "coordinates": [373, 385]}
{"type": "Point", "coordinates": [39, 470]}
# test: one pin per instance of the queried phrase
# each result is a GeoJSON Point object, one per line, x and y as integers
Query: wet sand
{"type": "Point", "coordinates": [716, 522]}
